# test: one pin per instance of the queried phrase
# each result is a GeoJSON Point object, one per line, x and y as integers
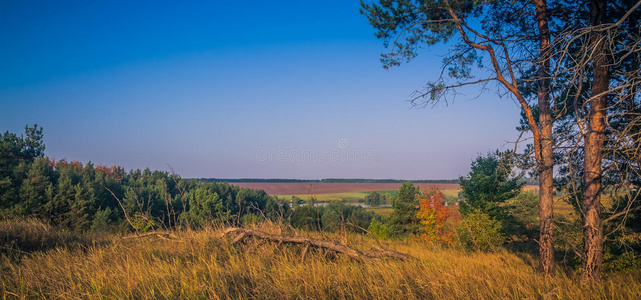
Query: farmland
{"type": "Point", "coordinates": [298, 188]}
{"type": "Point", "coordinates": [355, 192]}
{"type": "Point", "coordinates": [351, 192]}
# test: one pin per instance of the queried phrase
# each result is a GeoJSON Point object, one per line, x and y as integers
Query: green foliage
{"type": "Point", "coordinates": [625, 262]}
{"type": "Point", "coordinates": [489, 184]}
{"type": "Point", "coordinates": [379, 230]}
{"type": "Point", "coordinates": [36, 189]}
{"type": "Point", "coordinates": [622, 248]}
{"type": "Point", "coordinates": [376, 199]}
{"type": "Point", "coordinates": [142, 223]}
{"type": "Point", "coordinates": [306, 217]}
{"type": "Point", "coordinates": [477, 231]}
{"type": "Point", "coordinates": [522, 215]}
{"type": "Point", "coordinates": [297, 201]}
{"type": "Point", "coordinates": [251, 218]}
{"type": "Point", "coordinates": [204, 206]}
{"type": "Point", "coordinates": [569, 240]}
{"type": "Point", "coordinates": [79, 196]}
{"type": "Point", "coordinates": [17, 153]}
{"type": "Point", "coordinates": [331, 220]}
{"type": "Point", "coordinates": [390, 18]}
{"type": "Point", "coordinates": [102, 220]}
{"type": "Point", "coordinates": [403, 221]}
{"type": "Point", "coordinates": [336, 215]}
{"type": "Point", "coordinates": [628, 207]}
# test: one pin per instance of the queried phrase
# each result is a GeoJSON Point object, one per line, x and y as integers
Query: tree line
{"type": "Point", "coordinates": [88, 197]}
{"type": "Point", "coordinates": [84, 197]}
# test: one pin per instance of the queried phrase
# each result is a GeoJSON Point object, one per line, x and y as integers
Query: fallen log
{"type": "Point", "coordinates": [162, 235]}
{"type": "Point", "coordinates": [317, 243]}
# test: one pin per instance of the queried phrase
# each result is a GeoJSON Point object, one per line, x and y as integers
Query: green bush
{"type": "Point", "coordinates": [477, 231]}
{"type": "Point", "coordinates": [331, 220]}
{"type": "Point", "coordinates": [522, 216]}
{"type": "Point", "coordinates": [142, 223]}
{"type": "Point", "coordinates": [250, 218]}
{"type": "Point", "coordinates": [622, 263]}
{"type": "Point", "coordinates": [379, 230]}
{"type": "Point", "coordinates": [102, 220]}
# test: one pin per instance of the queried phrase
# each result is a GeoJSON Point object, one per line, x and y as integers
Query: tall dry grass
{"type": "Point", "coordinates": [199, 265]}
{"type": "Point", "coordinates": [23, 236]}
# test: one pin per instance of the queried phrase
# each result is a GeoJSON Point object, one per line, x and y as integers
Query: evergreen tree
{"type": "Point", "coordinates": [403, 220]}
{"type": "Point", "coordinates": [488, 185]}
{"type": "Point", "coordinates": [17, 153]}
{"type": "Point", "coordinates": [37, 189]}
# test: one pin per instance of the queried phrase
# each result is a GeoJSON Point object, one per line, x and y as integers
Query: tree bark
{"type": "Point", "coordinates": [546, 155]}
{"type": "Point", "coordinates": [592, 256]}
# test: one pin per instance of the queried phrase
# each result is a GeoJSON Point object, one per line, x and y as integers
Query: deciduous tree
{"type": "Point", "coordinates": [433, 216]}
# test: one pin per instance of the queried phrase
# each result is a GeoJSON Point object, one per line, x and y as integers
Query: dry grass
{"type": "Point", "coordinates": [383, 211]}
{"type": "Point", "coordinates": [199, 265]}
{"type": "Point", "coordinates": [19, 237]}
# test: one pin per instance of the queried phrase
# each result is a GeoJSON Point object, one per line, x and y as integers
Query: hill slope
{"type": "Point", "coordinates": [202, 265]}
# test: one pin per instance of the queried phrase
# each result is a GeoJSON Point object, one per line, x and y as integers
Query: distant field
{"type": "Point", "coordinates": [299, 188]}
{"type": "Point", "coordinates": [383, 211]}
{"type": "Point", "coordinates": [353, 192]}
{"type": "Point", "coordinates": [350, 197]}
{"type": "Point", "coordinates": [350, 192]}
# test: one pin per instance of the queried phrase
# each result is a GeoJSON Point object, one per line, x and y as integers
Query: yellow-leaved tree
{"type": "Point", "coordinates": [433, 216]}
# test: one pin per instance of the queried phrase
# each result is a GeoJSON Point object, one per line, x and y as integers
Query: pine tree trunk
{"type": "Point", "coordinates": [546, 157]}
{"type": "Point", "coordinates": [592, 256]}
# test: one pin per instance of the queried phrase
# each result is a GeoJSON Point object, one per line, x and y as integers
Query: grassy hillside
{"type": "Point", "coordinates": [201, 265]}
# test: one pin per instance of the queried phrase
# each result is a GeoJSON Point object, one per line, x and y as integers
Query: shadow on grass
{"type": "Point", "coordinates": [20, 237]}
{"type": "Point", "coordinates": [528, 252]}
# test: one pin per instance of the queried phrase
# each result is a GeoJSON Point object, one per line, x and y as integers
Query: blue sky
{"type": "Point", "coordinates": [210, 87]}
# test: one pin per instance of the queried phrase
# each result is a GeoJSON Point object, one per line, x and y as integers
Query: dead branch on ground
{"type": "Point", "coordinates": [162, 235]}
{"type": "Point", "coordinates": [243, 234]}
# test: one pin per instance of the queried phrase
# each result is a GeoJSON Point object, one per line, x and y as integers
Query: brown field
{"type": "Point", "coordinates": [298, 188]}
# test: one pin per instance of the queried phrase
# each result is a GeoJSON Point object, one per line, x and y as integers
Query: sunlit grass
{"type": "Point", "coordinates": [199, 265]}
{"type": "Point", "coordinates": [383, 211]}
{"type": "Point", "coordinates": [355, 196]}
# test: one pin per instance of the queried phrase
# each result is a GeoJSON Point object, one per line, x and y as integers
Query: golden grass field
{"type": "Point", "coordinates": [201, 265]}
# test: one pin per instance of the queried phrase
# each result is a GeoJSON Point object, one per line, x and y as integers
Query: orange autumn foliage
{"type": "Point", "coordinates": [433, 216]}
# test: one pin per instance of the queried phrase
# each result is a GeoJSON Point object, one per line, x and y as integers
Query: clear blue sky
{"type": "Point", "coordinates": [229, 89]}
